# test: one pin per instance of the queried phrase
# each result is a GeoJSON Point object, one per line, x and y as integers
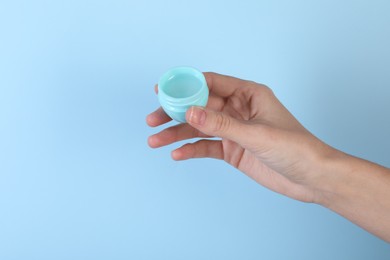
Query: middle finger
{"type": "Point", "coordinates": [174, 134]}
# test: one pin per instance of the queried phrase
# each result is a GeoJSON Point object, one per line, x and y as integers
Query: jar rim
{"type": "Point", "coordinates": [178, 71]}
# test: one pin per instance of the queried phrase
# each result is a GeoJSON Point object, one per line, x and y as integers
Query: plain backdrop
{"type": "Point", "coordinates": [77, 179]}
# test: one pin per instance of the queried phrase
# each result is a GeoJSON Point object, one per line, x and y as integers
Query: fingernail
{"type": "Point", "coordinates": [197, 115]}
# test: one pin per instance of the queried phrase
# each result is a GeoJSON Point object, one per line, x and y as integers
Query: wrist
{"type": "Point", "coordinates": [333, 168]}
{"type": "Point", "coordinates": [357, 190]}
{"type": "Point", "coordinates": [343, 178]}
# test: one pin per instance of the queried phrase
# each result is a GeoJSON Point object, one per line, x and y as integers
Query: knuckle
{"type": "Point", "coordinates": [222, 123]}
{"type": "Point", "coordinates": [260, 90]}
{"type": "Point", "coordinates": [265, 90]}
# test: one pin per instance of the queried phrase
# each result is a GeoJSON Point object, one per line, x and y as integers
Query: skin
{"type": "Point", "coordinates": [261, 138]}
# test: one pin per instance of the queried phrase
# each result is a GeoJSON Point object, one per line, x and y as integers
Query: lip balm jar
{"type": "Point", "coordinates": [179, 89]}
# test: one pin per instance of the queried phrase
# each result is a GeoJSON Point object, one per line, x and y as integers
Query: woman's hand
{"type": "Point", "coordinates": [258, 135]}
{"type": "Point", "coordinates": [262, 139]}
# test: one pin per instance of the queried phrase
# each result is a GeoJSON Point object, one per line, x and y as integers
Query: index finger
{"type": "Point", "coordinates": [157, 118]}
{"type": "Point", "coordinates": [222, 85]}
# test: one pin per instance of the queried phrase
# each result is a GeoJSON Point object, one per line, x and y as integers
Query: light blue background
{"type": "Point", "coordinates": [77, 179]}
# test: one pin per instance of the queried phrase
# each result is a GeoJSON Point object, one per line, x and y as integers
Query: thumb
{"type": "Point", "coordinates": [221, 125]}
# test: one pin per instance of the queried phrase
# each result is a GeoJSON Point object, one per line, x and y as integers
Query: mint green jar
{"type": "Point", "coordinates": [179, 89]}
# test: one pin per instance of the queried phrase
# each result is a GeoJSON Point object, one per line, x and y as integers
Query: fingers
{"type": "Point", "coordinates": [222, 85]}
{"type": "Point", "coordinates": [215, 103]}
{"type": "Point", "coordinates": [157, 118]}
{"type": "Point", "coordinates": [221, 125]}
{"type": "Point", "coordinates": [199, 149]}
{"type": "Point", "coordinates": [174, 134]}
